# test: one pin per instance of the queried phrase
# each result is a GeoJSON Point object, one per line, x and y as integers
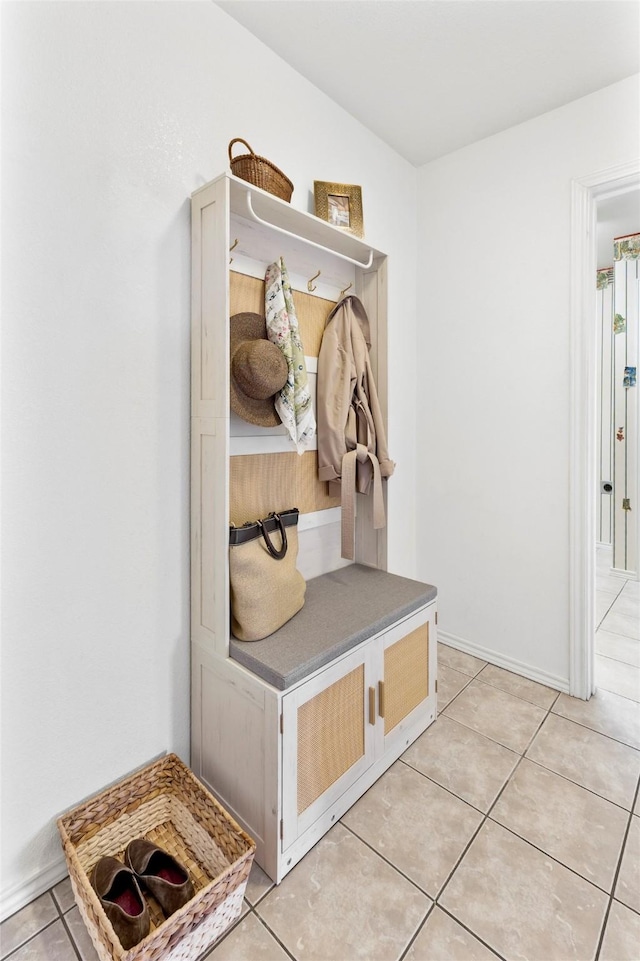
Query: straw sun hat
{"type": "Point", "coordinates": [258, 370]}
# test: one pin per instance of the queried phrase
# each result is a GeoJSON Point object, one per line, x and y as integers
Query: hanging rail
{"type": "Point", "coordinates": [336, 253]}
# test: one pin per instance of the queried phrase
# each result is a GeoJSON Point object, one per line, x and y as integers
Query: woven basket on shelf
{"type": "Point", "coordinates": [260, 172]}
{"type": "Point", "coordinates": [166, 804]}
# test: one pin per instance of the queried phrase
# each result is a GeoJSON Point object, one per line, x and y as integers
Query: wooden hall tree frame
{"type": "Point", "coordinates": [248, 736]}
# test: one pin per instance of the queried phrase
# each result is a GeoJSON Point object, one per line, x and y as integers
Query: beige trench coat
{"type": "Point", "coordinates": [352, 446]}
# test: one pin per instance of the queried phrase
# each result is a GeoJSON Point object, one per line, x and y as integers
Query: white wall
{"type": "Point", "coordinates": [113, 114]}
{"type": "Point", "coordinates": [493, 350]}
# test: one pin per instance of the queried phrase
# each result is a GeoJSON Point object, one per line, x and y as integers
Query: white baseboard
{"type": "Point", "coordinates": [508, 663]}
{"type": "Point", "coordinates": [18, 895]}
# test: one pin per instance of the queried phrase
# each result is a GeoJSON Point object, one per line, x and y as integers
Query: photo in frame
{"type": "Point", "coordinates": [340, 205]}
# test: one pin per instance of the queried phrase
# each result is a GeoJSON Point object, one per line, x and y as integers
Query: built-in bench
{"type": "Point", "coordinates": [342, 609]}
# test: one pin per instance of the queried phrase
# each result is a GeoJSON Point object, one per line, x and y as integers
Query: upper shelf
{"type": "Point", "coordinates": [264, 208]}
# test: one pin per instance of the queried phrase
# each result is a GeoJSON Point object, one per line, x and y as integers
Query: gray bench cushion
{"type": "Point", "coordinates": [341, 609]}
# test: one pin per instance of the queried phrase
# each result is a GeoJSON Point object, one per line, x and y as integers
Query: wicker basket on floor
{"type": "Point", "coordinates": [166, 804]}
{"type": "Point", "coordinates": [260, 172]}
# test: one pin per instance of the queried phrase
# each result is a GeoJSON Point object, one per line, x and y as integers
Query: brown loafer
{"type": "Point", "coordinates": [164, 876]}
{"type": "Point", "coordinates": [120, 896]}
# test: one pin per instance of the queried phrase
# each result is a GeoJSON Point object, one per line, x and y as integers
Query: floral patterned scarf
{"type": "Point", "coordinates": [293, 402]}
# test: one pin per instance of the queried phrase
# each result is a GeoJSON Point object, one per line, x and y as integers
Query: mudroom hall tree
{"type": "Point", "coordinates": [289, 730]}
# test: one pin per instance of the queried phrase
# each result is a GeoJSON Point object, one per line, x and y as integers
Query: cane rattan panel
{"type": "Point", "coordinates": [261, 483]}
{"type": "Point", "coordinates": [330, 736]}
{"type": "Point", "coordinates": [247, 294]}
{"type": "Point", "coordinates": [406, 676]}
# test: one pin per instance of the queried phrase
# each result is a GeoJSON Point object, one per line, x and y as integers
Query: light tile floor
{"type": "Point", "coordinates": [509, 830]}
{"type": "Point", "coordinates": [618, 631]}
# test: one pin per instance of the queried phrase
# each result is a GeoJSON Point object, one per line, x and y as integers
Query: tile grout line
{"type": "Point", "coordinates": [625, 636]}
{"type": "Point", "coordinates": [629, 637]}
{"type": "Point", "coordinates": [625, 697]}
{"type": "Point", "coordinates": [520, 755]}
{"type": "Point", "coordinates": [488, 736]}
{"type": "Point", "coordinates": [519, 696]}
{"type": "Point", "coordinates": [19, 947]}
{"type": "Point", "coordinates": [605, 922]}
{"type": "Point", "coordinates": [551, 857]}
{"type": "Point", "coordinates": [71, 937]}
{"type": "Point", "coordinates": [263, 895]}
{"type": "Point", "coordinates": [457, 921]}
{"type": "Point", "coordinates": [476, 677]}
{"type": "Point", "coordinates": [262, 921]}
{"type": "Point", "coordinates": [486, 813]}
{"type": "Point", "coordinates": [485, 816]}
{"type": "Point", "coordinates": [535, 846]}
{"type": "Point", "coordinates": [616, 875]}
{"type": "Point", "coordinates": [14, 914]}
{"type": "Point", "coordinates": [449, 914]}
{"type": "Point", "coordinates": [223, 936]}
{"type": "Point", "coordinates": [413, 938]}
{"type": "Point", "coordinates": [387, 861]}
{"type": "Point", "coordinates": [475, 834]}
{"type": "Point", "coordinates": [428, 777]}
{"type": "Point", "coordinates": [546, 854]}
{"type": "Point", "coordinates": [624, 841]}
{"type": "Point", "coordinates": [434, 901]}
{"type": "Point", "coordinates": [63, 919]}
{"type": "Point", "coordinates": [595, 730]}
{"type": "Point", "coordinates": [463, 688]}
{"type": "Point", "coordinates": [442, 663]}
{"type": "Point", "coordinates": [609, 657]}
{"type": "Point", "coordinates": [599, 624]}
{"type": "Point", "coordinates": [544, 767]}
{"type": "Point", "coordinates": [21, 944]}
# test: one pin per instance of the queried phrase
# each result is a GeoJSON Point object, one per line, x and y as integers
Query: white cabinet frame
{"type": "Point", "coordinates": [238, 748]}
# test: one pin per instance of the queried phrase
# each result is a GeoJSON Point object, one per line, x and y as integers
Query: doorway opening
{"type": "Point", "coordinates": [617, 604]}
{"type": "Point", "coordinates": [587, 193]}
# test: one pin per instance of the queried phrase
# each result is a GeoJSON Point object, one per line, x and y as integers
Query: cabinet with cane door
{"type": "Point", "coordinates": [290, 731]}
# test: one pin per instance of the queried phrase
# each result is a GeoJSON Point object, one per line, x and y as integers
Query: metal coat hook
{"type": "Point", "coordinates": [310, 285]}
{"type": "Point", "coordinates": [233, 247]}
{"type": "Point", "coordinates": [348, 287]}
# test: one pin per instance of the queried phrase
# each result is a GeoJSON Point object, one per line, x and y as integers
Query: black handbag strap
{"type": "Point", "coordinates": [270, 524]}
{"type": "Point", "coordinates": [278, 554]}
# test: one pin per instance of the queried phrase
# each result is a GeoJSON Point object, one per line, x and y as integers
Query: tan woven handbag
{"type": "Point", "coordinates": [266, 587]}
